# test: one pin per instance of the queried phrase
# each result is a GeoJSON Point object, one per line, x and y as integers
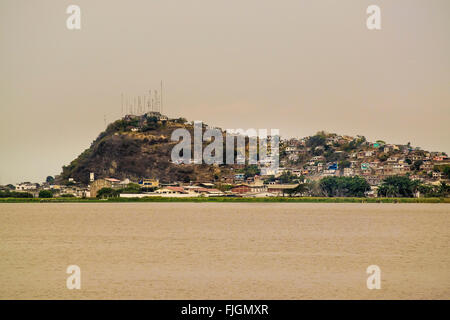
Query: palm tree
{"type": "Point", "coordinates": [415, 184]}
{"type": "Point", "coordinates": [391, 191]}
{"type": "Point", "coordinates": [301, 188]}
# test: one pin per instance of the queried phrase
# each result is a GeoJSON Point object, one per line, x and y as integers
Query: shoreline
{"type": "Point", "coordinates": [229, 199]}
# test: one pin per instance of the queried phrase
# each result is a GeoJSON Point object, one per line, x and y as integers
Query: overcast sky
{"type": "Point", "coordinates": [300, 66]}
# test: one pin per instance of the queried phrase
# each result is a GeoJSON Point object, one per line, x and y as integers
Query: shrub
{"type": "Point", "coordinates": [12, 194]}
{"type": "Point", "coordinates": [67, 195]}
{"type": "Point", "coordinates": [45, 194]}
{"type": "Point", "coordinates": [107, 193]}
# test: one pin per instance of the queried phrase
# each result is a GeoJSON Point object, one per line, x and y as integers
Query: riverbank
{"type": "Point", "coordinates": [230, 199]}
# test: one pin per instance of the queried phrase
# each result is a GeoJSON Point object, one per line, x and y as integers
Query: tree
{"type": "Point", "coordinates": [151, 123]}
{"type": "Point", "coordinates": [269, 179]}
{"type": "Point", "coordinates": [344, 164]}
{"type": "Point", "coordinates": [416, 165]}
{"type": "Point", "coordinates": [12, 194]}
{"type": "Point", "coordinates": [446, 172]}
{"type": "Point", "coordinates": [360, 141]}
{"type": "Point", "coordinates": [107, 193]}
{"type": "Point", "coordinates": [426, 190]}
{"type": "Point", "coordinates": [444, 189]}
{"type": "Point", "coordinates": [391, 191]}
{"type": "Point", "coordinates": [287, 177]}
{"type": "Point", "coordinates": [344, 186]}
{"type": "Point", "coordinates": [131, 188]}
{"type": "Point", "coordinates": [50, 179]}
{"type": "Point", "coordinates": [45, 194]}
{"type": "Point", "coordinates": [318, 152]}
{"type": "Point", "coordinates": [314, 188]}
{"type": "Point", "coordinates": [251, 170]}
{"type": "Point", "coordinates": [67, 195]}
{"type": "Point", "coordinates": [441, 190]}
{"type": "Point", "coordinates": [383, 157]}
{"type": "Point", "coordinates": [315, 141]}
{"type": "Point", "coordinates": [349, 146]}
{"type": "Point", "coordinates": [398, 186]}
{"type": "Point", "coordinates": [181, 120]}
{"type": "Point", "coordinates": [300, 189]}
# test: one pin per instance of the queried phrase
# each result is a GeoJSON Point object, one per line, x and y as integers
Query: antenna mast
{"type": "Point", "coordinates": [161, 97]}
{"type": "Point", "coordinates": [139, 105]}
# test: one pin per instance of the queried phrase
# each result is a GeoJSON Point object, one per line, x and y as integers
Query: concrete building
{"type": "Point", "coordinates": [103, 183]}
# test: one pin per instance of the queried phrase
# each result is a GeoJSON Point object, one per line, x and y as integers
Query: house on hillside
{"type": "Point", "coordinates": [349, 172]}
{"type": "Point", "coordinates": [159, 117]}
{"type": "Point", "coordinates": [209, 192]}
{"type": "Point", "coordinates": [280, 189]}
{"type": "Point", "coordinates": [26, 186]}
{"type": "Point", "coordinates": [241, 189]}
{"type": "Point", "coordinates": [149, 183]}
{"type": "Point", "coordinates": [171, 190]}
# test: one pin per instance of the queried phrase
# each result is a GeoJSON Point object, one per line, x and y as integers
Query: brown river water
{"type": "Point", "coordinates": [224, 250]}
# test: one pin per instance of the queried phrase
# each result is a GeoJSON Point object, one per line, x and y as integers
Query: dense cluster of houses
{"type": "Point", "coordinates": [373, 161]}
{"type": "Point", "coordinates": [71, 189]}
{"type": "Point", "coordinates": [256, 188]}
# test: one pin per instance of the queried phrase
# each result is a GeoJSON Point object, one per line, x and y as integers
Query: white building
{"type": "Point", "coordinates": [25, 186]}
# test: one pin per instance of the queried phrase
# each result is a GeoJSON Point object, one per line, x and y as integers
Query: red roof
{"type": "Point", "coordinates": [176, 189]}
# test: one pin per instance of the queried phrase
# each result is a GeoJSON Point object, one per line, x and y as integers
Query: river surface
{"type": "Point", "coordinates": [224, 250]}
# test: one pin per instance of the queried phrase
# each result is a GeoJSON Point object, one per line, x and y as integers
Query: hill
{"type": "Point", "coordinates": [137, 147]}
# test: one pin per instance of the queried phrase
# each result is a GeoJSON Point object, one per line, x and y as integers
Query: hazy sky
{"type": "Point", "coordinates": [300, 66]}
